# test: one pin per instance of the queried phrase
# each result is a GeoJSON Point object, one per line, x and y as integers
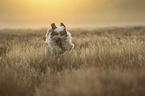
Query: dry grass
{"type": "Point", "coordinates": [105, 62]}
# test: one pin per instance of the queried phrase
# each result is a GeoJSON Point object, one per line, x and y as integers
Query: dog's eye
{"type": "Point", "coordinates": [54, 33]}
{"type": "Point", "coordinates": [62, 33]}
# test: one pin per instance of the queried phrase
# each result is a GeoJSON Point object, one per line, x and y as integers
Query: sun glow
{"type": "Point", "coordinates": [40, 11]}
{"type": "Point", "coordinates": [52, 9]}
{"type": "Point", "coordinates": [54, 6]}
{"type": "Point", "coordinates": [72, 11]}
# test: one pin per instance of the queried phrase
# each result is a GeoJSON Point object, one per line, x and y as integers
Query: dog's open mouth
{"type": "Point", "coordinates": [59, 42]}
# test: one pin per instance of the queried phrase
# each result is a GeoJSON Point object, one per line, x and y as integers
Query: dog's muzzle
{"type": "Point", "coordinates": [59, 42]}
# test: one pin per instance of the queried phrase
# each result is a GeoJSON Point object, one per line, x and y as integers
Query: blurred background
{"type": "Point", "coordinates": [74, 13]}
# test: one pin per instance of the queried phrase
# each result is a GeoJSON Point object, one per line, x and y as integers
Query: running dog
{"type": "Point", "coordinates": [58, 40]}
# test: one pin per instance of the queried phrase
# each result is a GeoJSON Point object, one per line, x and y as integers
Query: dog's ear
{"type": "Point", "coordinates": [61, 24]}
{"type": "Point", "coordinates": [53, 26]}
{"type": "Point", "coordinates": [64, 32]}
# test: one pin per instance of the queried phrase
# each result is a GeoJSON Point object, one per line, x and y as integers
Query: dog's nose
{"type": "Point", "coordinates": [58, 39]}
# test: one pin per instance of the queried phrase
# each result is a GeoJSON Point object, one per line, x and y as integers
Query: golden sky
{"type": "Point", "coordinates": [43, 12]}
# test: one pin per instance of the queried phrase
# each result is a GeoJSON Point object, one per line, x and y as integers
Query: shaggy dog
{"type": "Point", "coordinates": [58, 40]}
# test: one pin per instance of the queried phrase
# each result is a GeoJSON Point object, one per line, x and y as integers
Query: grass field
{"type": "Point", "coordinates": [105, 62]}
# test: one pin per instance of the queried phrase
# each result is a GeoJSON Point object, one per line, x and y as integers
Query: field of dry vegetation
{"type": "Point", "coordinates": [105, 62]}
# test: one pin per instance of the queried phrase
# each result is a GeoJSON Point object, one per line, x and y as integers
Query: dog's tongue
{"type": "Point", "coordinates": [59, 42]}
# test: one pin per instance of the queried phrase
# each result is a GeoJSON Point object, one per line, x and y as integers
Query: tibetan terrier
{"type": "Point", "coordinates": [58, 40]}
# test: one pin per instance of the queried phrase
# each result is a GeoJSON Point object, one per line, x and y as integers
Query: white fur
{"type": "Point", "coordinates": [50, 45]}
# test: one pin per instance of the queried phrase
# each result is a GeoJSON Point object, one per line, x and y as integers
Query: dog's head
{"type": "Point", "coordinates": [58, 34]}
